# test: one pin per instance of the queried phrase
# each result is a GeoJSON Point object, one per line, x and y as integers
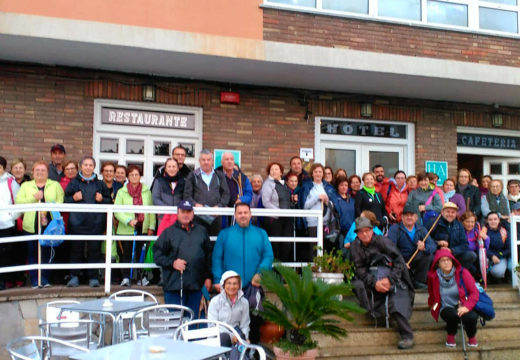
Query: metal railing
{"type": "Point", "coordinates": [109, 237]}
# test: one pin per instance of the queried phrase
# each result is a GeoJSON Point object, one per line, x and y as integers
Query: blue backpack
{"type": "Point", "coordinates": [484, 306]}
{"type": "Point", "coordinates": [55, 227]}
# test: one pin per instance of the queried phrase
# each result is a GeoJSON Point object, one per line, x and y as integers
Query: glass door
{"type": "Point", "coordinates": [391, 157]}
{"type": "Point", "coordinates": [341, 156]}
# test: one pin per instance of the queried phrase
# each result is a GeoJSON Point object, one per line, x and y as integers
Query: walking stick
{"type": "Point", "coordinates": [39, 249]}
{"type": "Point", "coordinates": [426, 237]}
{"type": "Point", "coordinates": [133, 255]}
{"type": "Point", "coordinates": [463, 340]}
{"type": "Point", "coordinates": [182, 286]}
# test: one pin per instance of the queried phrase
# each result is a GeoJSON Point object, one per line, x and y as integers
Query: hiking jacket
{"type": "Point", "coordinates": [236, 315]}
{"type": "Point", "coordinates": [376, 204]}
{"type": "Point", "coordinates": [245, 190]}
{"type": "Point", "coordinates": [452, 232]}
{"type": "Point", "coordinates": [124, 198]}
{"type": "Point", "coordinates": [196, 190]}
{"type": "Point", "coordinates": [163, 195]}
{"type": "Point", "coordinates": [406, 245]}
{"type": "Point", "coordinates": [8, 190]}
{"type": "Point", "coordinates": [193, 246]}
{"type": "Point", "coordinates": [473, 194]}
{"type": "Point", "coordinates": [434, 293]}
{"type": "Point", "coordinates": [396, 200]}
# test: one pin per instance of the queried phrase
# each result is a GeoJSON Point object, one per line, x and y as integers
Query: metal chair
{"type": "Point", "coordinates": [50, 312]}
{"type": "Point", "coordinates": [211, 335]}
{"type": "Point", "coordinates": [159, 320]}
{"type": "Point", "coordinates": [39, 348]}
{"type": "Point", "coordinates": [77, 332]}
{"type": "Point", "coordinates": [124, 318]}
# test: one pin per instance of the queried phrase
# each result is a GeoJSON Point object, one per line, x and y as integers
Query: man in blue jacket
{"type": "Point", "coordinates": [450, 234]}
{"type": "Point", "coordinates": [245, 249]}
{"type": "Point", "coordinates": [408, 236]}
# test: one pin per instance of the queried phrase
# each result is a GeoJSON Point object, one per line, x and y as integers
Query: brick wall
{"type": "Point", "coordinates": [40, 106]}
{"type": "Point", "coordinates": [366, 35]}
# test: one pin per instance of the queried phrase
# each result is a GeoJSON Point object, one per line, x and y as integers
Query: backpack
{"type": "Point", "coordinates": [55, 227]}
{"type": "Point", "coordinates": [484, 306]}
{"type": "Point", "coordinates": [332, 237]}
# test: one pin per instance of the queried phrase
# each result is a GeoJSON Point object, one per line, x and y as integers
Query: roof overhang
{"type": "Point", "coordinates": [95, 45]}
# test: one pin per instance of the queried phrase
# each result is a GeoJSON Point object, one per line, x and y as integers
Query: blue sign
{"type": "Point", "coordinates": [438, 167]}
{"type": "Point", "coordinates": [218, 156]}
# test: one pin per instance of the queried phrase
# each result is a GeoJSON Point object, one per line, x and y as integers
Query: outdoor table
{"type": "Point", "coordinates": [117, 308]}
{"type": "Point", "coordinates": [140, 350]}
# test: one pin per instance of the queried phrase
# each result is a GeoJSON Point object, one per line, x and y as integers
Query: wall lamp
{"type": "Point", "coordinates": [497, 120]}
{"type": "Point", "coordinates": [149, 92]}
{"type": "Point", "coordinates": [366, 110]}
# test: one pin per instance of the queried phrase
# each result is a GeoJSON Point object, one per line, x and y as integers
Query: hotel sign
{"type": "Point", "coordinates": [384, 130]}
{"type": "Point", "coordinates": [488, 141]}
{"type": "Point", "coordinates": [165, 120]}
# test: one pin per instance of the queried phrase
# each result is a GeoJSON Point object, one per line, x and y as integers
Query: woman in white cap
{"type": "Point", "coordinates": [230, 307]}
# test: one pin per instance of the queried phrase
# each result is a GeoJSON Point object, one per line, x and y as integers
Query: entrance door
{"type": "Point", "coordinates": [360, 158]}
{"type": "Point", "coordinates": [504, 169]}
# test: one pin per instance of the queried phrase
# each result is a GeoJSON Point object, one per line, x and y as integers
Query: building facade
{"type": "Point", "coordinates": [351, 84]}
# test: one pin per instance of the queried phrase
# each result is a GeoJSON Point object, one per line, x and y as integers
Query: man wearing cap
{"type": "Point", "coordinates": [183, 252]}
{"type": "Point", "coordinates": [56, 164]}
{"type": "Point", "coordinates": [409, 236]}
{"type": "Point", "coordinates": [381, 275]}
{"type": "Point", "coordinates": [450, 234]}
{"type": "Point", "coordinates": [246, 249]}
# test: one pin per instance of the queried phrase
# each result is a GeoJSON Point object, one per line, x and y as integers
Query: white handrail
{"type": "Point", "coordinates": [514, 249]}
{"type": "Point", "coordinates": [110, 238]}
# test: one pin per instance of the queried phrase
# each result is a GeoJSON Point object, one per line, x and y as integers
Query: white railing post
{"type": "Point", "coordinates": [108, 251]}
{"type": "Point", "coordinates": [320, 234]}
{"type": "Point", "coordinates": [514, 248]}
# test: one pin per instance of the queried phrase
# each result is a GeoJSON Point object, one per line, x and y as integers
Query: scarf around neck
{"type": "Point", "coordinates": [497, 203]}
{"type": "Point", "coordinates": [448, 195]}
{"type": "Point", "coordinates": [90, 178]}
{"type": "Point", "coordinates": [446, 280]}
{"type": "Point", "coordinates": [135, 192]}
{"type": "Point", "coordinates": [371, 190]}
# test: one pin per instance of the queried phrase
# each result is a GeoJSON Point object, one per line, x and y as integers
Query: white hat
{"type": "Point", "coordinates": [229, 274]}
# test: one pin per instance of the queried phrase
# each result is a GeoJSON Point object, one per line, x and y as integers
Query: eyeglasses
{"type": "Point", "coordinates": [70, 169]}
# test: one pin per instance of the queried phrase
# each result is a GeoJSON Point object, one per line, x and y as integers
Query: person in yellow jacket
{"type": "Point", "coordinates": [133, 193]}
{"type": "Point", "coordinates": [41, 189]}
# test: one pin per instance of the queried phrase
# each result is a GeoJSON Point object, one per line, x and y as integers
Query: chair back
{"type": "Point", "coordinates": [38, 347]}
{"type": "Point", "coordinates": [133, 295]}
{"type": "Point", "coordinates": [159, 320]}
{"type": "Point", "coordinates": [50, 312]}
{"type": "Point", "coordinates": [81, 334]}
{"type": "Point", "coordinates": [208, 336]}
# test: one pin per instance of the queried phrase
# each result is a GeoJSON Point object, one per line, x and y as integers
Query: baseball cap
{"type": "Point", "coordinates": [58, 147]}
{"type": "Point", "coordinates": [363, 222]}
{"type": "Point", "coordinates": [185, 205]}
{"type": "Point", "coordinates": [450, 205]}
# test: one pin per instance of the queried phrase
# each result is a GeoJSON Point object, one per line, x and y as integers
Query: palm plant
{"type": "Point", "coordinates": [307, 306]}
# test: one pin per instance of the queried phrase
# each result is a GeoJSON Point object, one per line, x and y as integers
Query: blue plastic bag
{"type": "Point", "coordinates": [55, 227]}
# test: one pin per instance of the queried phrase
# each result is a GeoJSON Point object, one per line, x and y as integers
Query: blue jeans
{"type": "Point", "coordinates": [499, 270]}
{"type": "Point", "coordinates": [190, 298]}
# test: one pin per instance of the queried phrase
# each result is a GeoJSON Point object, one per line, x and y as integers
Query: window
{"type": "Point", "coordinates": [109, 145]}
{"type": "Point", "coordinates": [161, 148]}
{"type": "Point", "coordinates": [401, 9]}
{"type": "Point", "coordinates": [354, 6]}
{"type": "Point", "coordinates": [476, 15]}
{"type": "Point", "coordinates": [440, 12]}
{"type": "Point", "coordinates": [134, 146]}
{"type": "Point", "coordinates": [495, 169]}
{"type": "Point", "coordinates": [500, 20]}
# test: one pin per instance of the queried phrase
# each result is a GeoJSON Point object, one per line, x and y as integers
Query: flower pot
{"type": "Point", "coordinates": [308, 355]}
{"type": "Point", "coordinates": [270, 332]}
{"type": "Point", "coordinates": [329, 278]}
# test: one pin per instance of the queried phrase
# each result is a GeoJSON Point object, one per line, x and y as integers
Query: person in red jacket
{"type": "Point", "coordinates": [448, 298]}
{"type": "Point", "coordinates": [382, 182]}
{"type": "Point", "coordinates": [397, 197]}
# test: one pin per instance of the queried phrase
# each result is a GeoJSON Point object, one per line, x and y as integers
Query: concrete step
{"type": "Point", "coordinates": [498, 293]}
{"type": "Point", "coordinates": [428, 333]}
{"type": "Point", "coordinates": [502, 350]}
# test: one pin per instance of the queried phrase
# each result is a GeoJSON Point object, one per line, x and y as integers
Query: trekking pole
{"type": "Point", "coordinates": [463, 340]}
{"type": "Point", "coordinates": [182, 286]}
{"type": "Point", "coordinates": [133, 255]}
{"type": "Point", "coordinates": [426, 237]}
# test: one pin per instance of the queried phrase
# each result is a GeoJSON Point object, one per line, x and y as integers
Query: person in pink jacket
{"type": "Point", "coordinates": [448, 298]}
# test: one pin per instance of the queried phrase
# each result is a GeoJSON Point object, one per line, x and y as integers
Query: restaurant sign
{"type": "Point", "coordinates": [488, 141]}
{"type": "Point", "coordinates": [166, 120]}
{"type": "Point", "coordinates": [353, 128]}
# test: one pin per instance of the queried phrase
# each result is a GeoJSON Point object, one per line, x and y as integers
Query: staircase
{"type": "Point", "coordinates": [499, 339]}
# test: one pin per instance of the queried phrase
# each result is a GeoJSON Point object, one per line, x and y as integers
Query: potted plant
{"type": "Point", "coordinates": [332, 267]}
{"type": "Point", "coordinates": [307, 306]}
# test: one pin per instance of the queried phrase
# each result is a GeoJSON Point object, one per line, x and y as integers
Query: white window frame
{"type": "Point", "coordinates": [374, 143]}
{"type": "Point", "coordinates": [149, 134]}
{"type": "Point", "coordinates": [473, 14]}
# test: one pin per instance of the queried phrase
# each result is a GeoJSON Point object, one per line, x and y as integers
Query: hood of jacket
{"type": "Point", "coordinates": [441, 253]}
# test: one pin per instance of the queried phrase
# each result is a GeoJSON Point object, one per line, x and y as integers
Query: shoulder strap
{"type": "Point", "coordinates": [10, 185]}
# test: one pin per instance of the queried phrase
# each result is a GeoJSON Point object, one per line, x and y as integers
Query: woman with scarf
{"type": "Point", "coordinates": [369, 199]}
{"type": "Point", "coordinates": [275, 195]}
{"type": "Point", "coordinates": [448, 189]}
{"type": "Point", "coordinates": [423, 198]}
{"type": "Point", "coordinates": [499, 251]}
{"type": "Point", "coordinates": [86, 189]}
{"type": "Point", "coordinates": [470, 193]}
{"type": "Point", "coordinates": [133, 193]}
{"type": "Point", "coordinates": [451, 300]}
{"type": "Point", "coordinates": [473, 232]}
{"type": "Point", "coordinates": [495, 201]}
{"type": "Point", "coordinates": [169, 188]}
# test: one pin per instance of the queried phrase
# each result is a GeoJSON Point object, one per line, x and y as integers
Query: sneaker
{"type": "Point", "coordinates": [125, 282]}
{"type": "Point", "coordinates": [472, 342]}
{"type": "Point", "coordinates": [145, 282]}
{"type": "Point", "coordinates": [450, 341]}
{"type": "Point", "coordinates": [47, 285]}
{"type": "Point", "coordinates": [20, 283]}
{"type": "Point", "coordinates": [73, 282]}
{"type": "Point", "coordinates": [35, 286]}
{"type": "Point", "coordinates": [405, 344]}
{"type": "Point", "coordinates": [93, 283]}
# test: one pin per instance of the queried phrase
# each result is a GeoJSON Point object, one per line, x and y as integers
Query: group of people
{"type": "Point", "coordinates": [384, 225]}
